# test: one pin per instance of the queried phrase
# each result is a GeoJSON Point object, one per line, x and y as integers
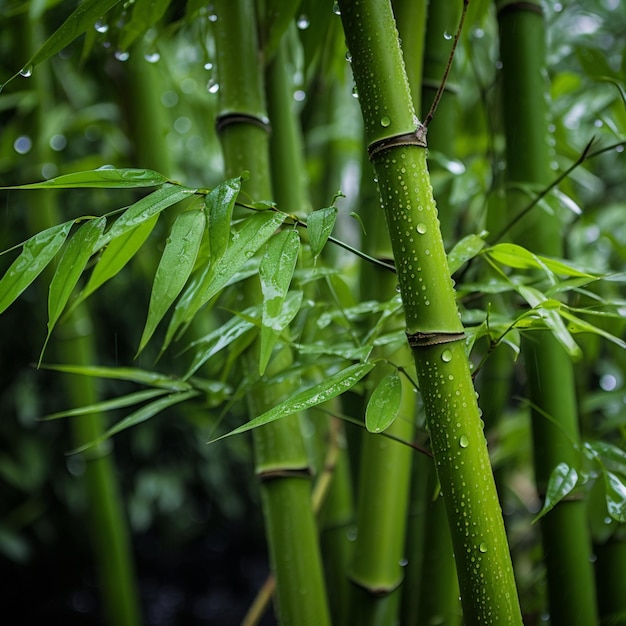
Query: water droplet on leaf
{"type": "Point", "coordinates": [303, 22]}
{"type": "Point", "coordinates": [213, 86]}
{"type": "Point", "coordinates": [336, 9]}
{"type": "Point", "coordinates": [152, 57]}
{"type": "Point", "coordinates": [447, 35]}
{"type": "Point", "coordinates": [26, 71]}
{"type": "Point", "coordinates": [101, 26]}
{"type": "Point", "coordinates": [122, 55]}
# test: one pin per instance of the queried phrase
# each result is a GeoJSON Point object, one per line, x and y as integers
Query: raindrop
{"type": "Point", "coordinates": [299, 95]}
{"type": "Point", "coordinates": [26, 71]}
{"type": "Point", "coordinates": [385, 121]}
{"type": "Point", "coordinates": [122, 55]}
{"type": "Point", "coordinates": [421, 228]}
{"type": "Point", "coordinates": [336, 9]}
{"type": "Point", "coordinates": [446, 356]}
{"type": "Point", "coordinates": [403, 562]}
{"type": "Point", "coordinates": [212, 17]}
{"type": "Point", "coordinates": [348, 57]}
{"type": "Point", "coordinates": [213, 86]}
{"type": "Point", "coordinates": [463, 441]}
{"type": "Point", "coordinates": [447, 35]}
{"type": "Point", "coordinates": [152, 57]}
{"type": "Point", "coordinates": [483, 547]}
{"type": "Point", "coordinates": [208, 66]}
{"type": "Point", "coordinates": [22, 144]}
{"type": "Point", "coordinates": [303, 22]}
{"type": "Point", "coordinates": [355, 93]}
{"type": "Point", "coordinates": [101, 26]}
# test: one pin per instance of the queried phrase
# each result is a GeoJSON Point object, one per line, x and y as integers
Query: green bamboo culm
{"type": "Point", "coordinates": [549, 369]}
{"type": "Point", "coordinates": [281, 458]}
{"type": "Point", "coordinates": [397, 151]}
{"type": "Point", "coordinates": [105, 518]}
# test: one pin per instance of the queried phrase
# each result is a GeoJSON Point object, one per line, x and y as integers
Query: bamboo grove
{"type": "Point", "coordinates": [364, 294]}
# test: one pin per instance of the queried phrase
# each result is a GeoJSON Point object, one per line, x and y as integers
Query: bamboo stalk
{"type": "Point", "coordinates": [433, 326]}
{"type": "Point", "coordinates": [281, 460]}
{"type": "Point", "coordinates": [549, 369]}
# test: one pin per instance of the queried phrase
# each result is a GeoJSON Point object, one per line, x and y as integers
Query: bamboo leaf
{"type": "Point", "coordinates": [465, 250]}
{"type": "Point", "coordinates": [145, 377]}
{"type": "Point", "coordinates": [143, 210]}
{"type": "Point", "coordinates": [256, 230]}
{"type": "Point", "coordinates": [145, 14]}
{"type": "Point", "coordinates": [384, 404]}
{"type": "Point", "coordinates": [562, 482]}
{"type": "Point", "coordinates": [36, 253]}
{"type": "Point", "coordinates": [609, 455]}
{"type": "Point", "coordinates": [220, 203]}
{"type": "Point", "coordinates": [320, 225]}
{"type": "Point", "coordinates": [214, 342]}
{"type": "Point", "coordinates": [109, 405]}
{"type": "Point", "coordinates": [276, 272]}
{"type": "Point", "coordinates": [615, 489]}
{"type": "Point", "coordinates": [101, 178]}
{"type": "Point", "coordinates": [140, 415]}
{"type": "Point", "coordinates": [73, 261]}
{"type": "Point", "coordinates": [175, 267]}
{"type": "Point", "coordinates": [323, 391]}
{"type": "Point", "coordinates": [116, 256]}
{"type": "Point", "coordinates": [578, 325]}
{"type": "Point", "coordinates": [84, 17]}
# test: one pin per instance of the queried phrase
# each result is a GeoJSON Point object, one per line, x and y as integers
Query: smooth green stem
{"type": "Point", "coordinates": [486, 581]}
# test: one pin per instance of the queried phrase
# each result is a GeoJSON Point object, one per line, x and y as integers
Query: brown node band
{"type": "Point", "coordinates": [284, 473]}
{"type": "Point", "coordinates": [416, 137]}
{"type": "Point", "coordinates": [521, 5]}
{"type": "Point", "coordinates": [424, 340]}
{"type": "Point", "coordinates": [228, 119]}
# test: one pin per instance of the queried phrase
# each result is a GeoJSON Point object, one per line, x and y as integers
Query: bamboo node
{"type": "Point", "coordinates": [414, 138]}
{"type": "Point", "coordinates": [235, 117]}
{"type": "Point", "coordinates": [424, 340]}
{"type": "Point", "coordinates": [303, 472]}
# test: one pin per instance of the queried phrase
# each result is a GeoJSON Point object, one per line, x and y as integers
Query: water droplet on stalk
{"type": "Point", "coordinates": [385, 121]}
{"type": "Point", "coordinates": [348, 57]}
{"type": "Point", "coordinates": [152, 57]}
{"type": "Point", "coordinates": [355, 93]}
{"type": "Point", "coordinates": [447, 35]}
{"type": "Point", "coordinates": [483, 547]}
{"type": "Point", "coordinates": [336, 9]}
{"type": "Point", "coordinates": [213, 86]}
{"type": "Point", "coordinates": [446, 356]}
{"type": "Point", "coordinates": [303, 22]}
{"type": "Point", "coordinates": [101, 26]}
{"type": "Point", "coordinates": [122, 55]}
{"type": "Point", "coordinates": [463, 441]}
{"type": "Point", "coordinates": [421, 228]}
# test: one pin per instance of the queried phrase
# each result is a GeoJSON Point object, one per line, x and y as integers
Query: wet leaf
{"type": "Point", "coordinates": [140, 415]}
{"type": "Point", "coordinates": [118, 253]}
{"type": "Point", "coordinates": [320, 225]}
{"type": "Point", "coordinates": [384, 404]}
{"type": "Point", "coordinates": [71, 265]}
{"type": "Point", "coordinates": [175, 267]}
{"type": "Point", "coordinates": [36, 253]}
{"type": "Point", "coordinates": [465, 250]}
{"type": "Point", "coordinates": [330, 388]}
{"type": "Point", "coordinates": [102, 178]}
{"type": "Point", "coordinates": [144, 210]}
{"type": "Point", "coordinates": [145, 377]}
{"type": "Point", "coordinates": [220, 203]}
{"type": "Point", "coordinates": [615, 489]}
{"type": "Point", "coordinates": [562, 481]}
{"type": "Point", "coordinates": [110, 405]}
{"type": "Point", "coordinates": [276, 272]}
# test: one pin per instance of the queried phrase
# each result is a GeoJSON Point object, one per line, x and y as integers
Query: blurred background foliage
{"type": "Point", "coordinates": [141, 92]}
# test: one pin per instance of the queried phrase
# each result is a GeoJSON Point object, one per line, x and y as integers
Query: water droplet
{"type": "Point", "coordinates": [348, 57]}
{"type": "Point", "coordinates": [101, 26]}
{"type": "Point", "coordinates": [421, 228]}
{"type": "Point", "coordinates": [299, 95]}
{"type": "Point", "coordinates": [152, 57]}
{"type": "Point", "coordinates": [213, 86]}
{"type": "Point", "coordinates": [303, 22]}
{"type": "Point", "coordinates": [483, 547]}
{"type": "Point", "coordinates": [403, 562]}
{"type": "Point", "coordinates": [122, 55]}
{"type": "Point", "coordinates": [446, 356]}
{"type": "Point", "coordinates": [26, 71]}
{"type": "Point", "coordinates": [208, 66]}
{"type": "Point", "coordinates": [212, 17]}
{"type": "Point", "coordinates": [447, 35]}
{"type": "Point", "coordinates": [385, 121]}
{"type": "Point", "coordinates": [355, 93]}
{"type": "Point", "coordinates": [336, 9]}
{"type": "Point", "coordinates": [463, 441]}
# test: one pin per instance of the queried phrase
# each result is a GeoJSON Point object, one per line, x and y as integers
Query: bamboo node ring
{"type": "Point", "coordinates": [424, 340]}
{"type": "Point", "coordinates": [416, 137]}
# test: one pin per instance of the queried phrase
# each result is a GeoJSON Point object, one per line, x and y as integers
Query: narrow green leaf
{"type": "Point", "coordinates": [84, 17]}
{"type": "Point", "coordinates": [384, 404]}
{"type": "Point", "coordinates": [615, 487]}
{"type": "Point", "coordinates": [276, 272]}
{"type": "Point", "coordinates": [109, 405]}
{"type": "Point", "coordinates": [145, 377]}
{"type": "Point", "coordinates": [101, 178]}
{"type": "Point", "coordinates": [465, 250]}
{"type": "Point", "coordinates": [145, 14]}
{"type": "Point", "coordinates": [143, 210]}
{"type": "Point", "coordinates": [562, 482]}
{"type": "Point", "coordinates": [118, 253]}
{"type": "Point", "coordinates": [71, 265]}
{"type": "Point", "coordinates": [323, 391]}
{"type": "Point", "coordinates": [36, 253]}
{"type": "Point", "coordinates": [175, 267]}
{"type": "Point", "coordinates": [214, 342]}
{"type": "Point", "coordinates": [220, 203]}
{"type": "Point", "coordinates": [140, 415]}
{"type": "Point", "coordinates": [320, 225]}
{"type": "Point", "coordinates": [578, 325]}
{"type": "Point", "coordinates": [609, 455]}
{"type": "Point", "coordinates": [256, 230]}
